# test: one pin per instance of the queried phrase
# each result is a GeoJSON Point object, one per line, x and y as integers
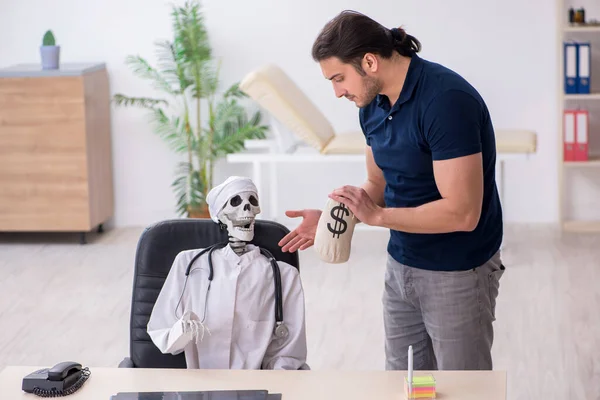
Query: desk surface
{"type": "Point", "coordinates": [294, 385]}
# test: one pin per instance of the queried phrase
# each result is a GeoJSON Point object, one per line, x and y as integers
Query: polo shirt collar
{"type": "Point", "coordinates": [412, 77]}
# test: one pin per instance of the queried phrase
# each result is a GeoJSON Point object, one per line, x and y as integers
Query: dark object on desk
{"type": "Point", "coordinates": [156, 250]}
{"type": "Point", "coordinates": [61, 380]}
{"type": "Point", "coordinates": [196, 395]}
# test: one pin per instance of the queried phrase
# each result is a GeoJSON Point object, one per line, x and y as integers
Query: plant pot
{"type": "Point", "coordinates": [50, 57]}
{"type": "Point", "coordinates": [200, 211]}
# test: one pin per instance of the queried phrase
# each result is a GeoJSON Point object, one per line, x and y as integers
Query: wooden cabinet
{"type": "Point", "coordinates": [55, 148]}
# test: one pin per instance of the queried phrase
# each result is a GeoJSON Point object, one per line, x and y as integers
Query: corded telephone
{"type": "Point", "coordinates": [63, 379]}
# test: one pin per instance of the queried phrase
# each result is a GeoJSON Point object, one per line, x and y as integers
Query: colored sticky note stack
{"type": "Point", "coordinates": [423, 387]}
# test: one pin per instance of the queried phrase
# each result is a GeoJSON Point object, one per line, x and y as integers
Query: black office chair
{"type": "Point", "coordinates": [156, 250]}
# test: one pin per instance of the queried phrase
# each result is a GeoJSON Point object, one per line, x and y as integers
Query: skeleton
{"type": "Point", "coordinates": [239, 215]}
{"type": "Point", "coordinates": [209, 320]}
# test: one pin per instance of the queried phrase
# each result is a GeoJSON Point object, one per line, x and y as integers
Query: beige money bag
{"type": "Point", "coordinates": [333, 238]}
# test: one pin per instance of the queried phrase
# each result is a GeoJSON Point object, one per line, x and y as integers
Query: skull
{"type": "Point", "coordinates": [239, 214]}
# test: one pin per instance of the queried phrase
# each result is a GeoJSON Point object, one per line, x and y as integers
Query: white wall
{"type": "Point", "coordinates": [515, 76]}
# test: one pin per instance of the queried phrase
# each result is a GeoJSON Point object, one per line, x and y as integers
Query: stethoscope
{"type": "Point", "coordinates": [280, 329]}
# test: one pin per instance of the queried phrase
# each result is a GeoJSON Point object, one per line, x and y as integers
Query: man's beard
{"type": "Point", "coordinates": [372, 87]}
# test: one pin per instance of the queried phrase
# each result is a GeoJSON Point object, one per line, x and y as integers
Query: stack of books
{"type": "Point", "coordinates": [423, 387]}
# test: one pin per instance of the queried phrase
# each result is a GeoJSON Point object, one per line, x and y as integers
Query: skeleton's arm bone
{"type": "Point", "coordinates": [172, 340]}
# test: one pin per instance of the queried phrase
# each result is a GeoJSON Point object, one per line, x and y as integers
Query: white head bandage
{"type": "Point", "coordinates": [235, 204]}
{"type": "Point", "coordinates": [218, 197]}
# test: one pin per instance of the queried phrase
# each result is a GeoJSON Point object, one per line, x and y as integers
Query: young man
{"type": "Point", "coordinates": [431, 180]}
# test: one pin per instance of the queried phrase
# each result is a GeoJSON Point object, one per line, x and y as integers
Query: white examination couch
{"type": "Point", "coordinates": [304, 135]}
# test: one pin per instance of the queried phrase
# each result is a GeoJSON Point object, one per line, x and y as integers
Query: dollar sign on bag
{"type": "Point", "coordinates": [337, 213]}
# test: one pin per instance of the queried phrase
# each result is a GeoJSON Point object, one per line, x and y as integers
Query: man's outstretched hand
{"type": "Point", "coordinates": [303, 236]}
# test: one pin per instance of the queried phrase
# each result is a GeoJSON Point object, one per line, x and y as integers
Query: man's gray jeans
{"type": "Point", "coordinates": [446, 316]}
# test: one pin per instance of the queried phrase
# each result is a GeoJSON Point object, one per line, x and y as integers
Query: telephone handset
{"type": "Point", "coordinates": [63, 379]}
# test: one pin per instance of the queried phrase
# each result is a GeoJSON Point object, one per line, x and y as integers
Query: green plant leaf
{"type": "Point", "coordinates": [256, 119]}
{"type": "Point", "coordinates": [191, 39]}
{"type": "Point", "coordinates": [143, 102]}
{"type": "Point", "coordinates": [188, 187]}
{"type": "Point", "coordinates": [191, 33]}
{"type": "Point", "coordinates": [235, 143]}
{"type": "Point", "coordinates": [234, 91]}
{"type": "Point", "coordinates": [49, 39]}
{"type": "Point", "coordinates": [209, 81]}
{"type": "Point", "coordinates": [144, 70]}
{"type": "Point", "coordinates": [229, 117]}
{"type": "Point", "coordinates": [171, 66]}
{"type": "Point", "coordinates": [232, 128]}
{"type": "Point", "coordinates": [171, 130]}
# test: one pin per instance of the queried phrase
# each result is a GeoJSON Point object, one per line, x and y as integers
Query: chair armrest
{"type": "Point", "coordinates": [126, 363]}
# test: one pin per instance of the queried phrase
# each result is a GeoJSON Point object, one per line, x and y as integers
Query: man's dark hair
{"type": "Point", "coordinates": [350, 35]}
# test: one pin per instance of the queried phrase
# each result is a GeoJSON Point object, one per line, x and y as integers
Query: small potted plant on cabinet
{"type": "Point", "coordinates": [49, 51]}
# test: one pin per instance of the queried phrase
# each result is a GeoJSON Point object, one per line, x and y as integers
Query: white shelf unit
{"type": "Point", "coordinates": [579, 28]}
{"type": "Point", "coordinates": [590, 101]}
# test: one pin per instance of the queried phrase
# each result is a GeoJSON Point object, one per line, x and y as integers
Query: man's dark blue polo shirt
{"type": "Point", "coordinates": [438, 116]}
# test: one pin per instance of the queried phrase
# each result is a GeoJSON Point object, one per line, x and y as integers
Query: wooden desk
{"type": "Point", "coordinates": [294, 385]}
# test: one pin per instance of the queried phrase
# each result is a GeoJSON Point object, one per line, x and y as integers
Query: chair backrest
{"type": "Point", "coordinates": [156, 250]}
{"type": "Point", "coordinates": [277, 93]}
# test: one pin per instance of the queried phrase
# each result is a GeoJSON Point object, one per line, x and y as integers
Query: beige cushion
{"type": "Point", "coordinates": [507, 141]}
{"type": "Point", "coordinates": [347, 143]}
{"type": "Point", "coordinates": [273, 89]}
{"type": "Point", "coordinates": [515, 141]}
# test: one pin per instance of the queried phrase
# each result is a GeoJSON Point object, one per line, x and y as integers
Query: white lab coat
{"type": "Point", "coordinates": [240, 312]}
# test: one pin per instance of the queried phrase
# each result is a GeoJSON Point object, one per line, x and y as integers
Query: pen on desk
{"type": "Point", "coordinates": [410, 371]}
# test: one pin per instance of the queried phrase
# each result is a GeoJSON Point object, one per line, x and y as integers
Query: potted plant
{"type": "Point", "coordinates": [49, 51]}
{"type": "Point", "coordinates": [189, 78]}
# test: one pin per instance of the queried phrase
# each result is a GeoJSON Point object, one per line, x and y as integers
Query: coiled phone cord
{"type": "Point", "coordinates": [85, 374]}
